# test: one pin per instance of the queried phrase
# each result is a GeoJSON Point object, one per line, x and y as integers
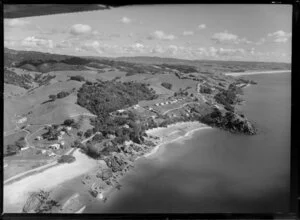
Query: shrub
{"type": "Point", "coordinates": [167, 85]}
{"type": "Point", "coordinates": [88, 133]}
{"type": "Point", "coordinates": [52, 97]}
{"type": "Point", "coordinates": [66, 159]}
{"type": "Point", "coordinates": [62, 94]}
{"type": "Point", "coordinates": [77, 78]}
{"type": "Point", "coordinates": [69, 122]}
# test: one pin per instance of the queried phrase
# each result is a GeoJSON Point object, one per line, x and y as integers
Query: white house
{"type": "Point", "coordinates": [62, 133]}
{"type": "Point", "coordinates": [51, 154]}
{"type": "Point", "coordinates": [69, 128]}
{"type": "Point", "coordinates": [62, 143]}
{"type": "Point", "coordinates": [120, 110]}
{"type": "Point", "coordinates": [24, 148]}
{"type": "Point", "coordinates": [22, 120]}
{"type": "Point", "coordinates": [38, 138]}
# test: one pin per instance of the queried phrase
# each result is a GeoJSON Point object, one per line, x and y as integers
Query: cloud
{"type": "Point", "coordinates": [160, 35]}
{"type": "Point", "coordinates": [80, 29]}
{"type": "Point", "coordinates": [93, 46]}
{"type": "Point", "coordinates": [228, 38]}
{"type": "Point", "coordinates": [126, 20]}
{"type": "Point", "coordinates": [33, 41]}
{"type": "Point", "coordinates": [9, 43]}
{"type": "Point", "coordinates": [187, 33]}
{"type": "Point", "coordinates": [16, 22]}
{"type": "Point", "coordinates": [225, 37]}
{"type": "Point", "coordinates": [202, 26]}
{"type": "Point", "coordinates": [280, 36]}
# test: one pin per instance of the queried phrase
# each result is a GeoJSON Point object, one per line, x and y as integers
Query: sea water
{"type": "Point", "coordinates": [214, 170]}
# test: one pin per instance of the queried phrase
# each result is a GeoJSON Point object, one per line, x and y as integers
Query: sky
{"type": "Point", "coordinates": [210, 32]}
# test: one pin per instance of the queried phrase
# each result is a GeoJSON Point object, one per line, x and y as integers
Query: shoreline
{"type": "Point", "coordinates": [162, 144]}
{"type": "Point", "coordinates": [256, 72]}
{"type": "Point", "coordinates": [15, 193]}
{"type": "Point", "coordinates": [166, 137]}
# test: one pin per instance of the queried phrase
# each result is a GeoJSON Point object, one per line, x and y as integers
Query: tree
{"type": "Point", "coordinates": [167, 85]}
{"type": "Point", "coordinates": [12, 149]}
{"type": "Point", "coordinates": [79, 133]}
{"type": "Point", "coordinates": [52, 97]}
{"type": "Point", "coordinates": [62, 94]}
{"type": "Point", "coordinates": [68, 122]}
{"type": "Point", "coordinates": [77, 78]}
{"type": "Point", "coordinates": [88, 133]}
{"type": "Point", "coordinates": [93, 150]}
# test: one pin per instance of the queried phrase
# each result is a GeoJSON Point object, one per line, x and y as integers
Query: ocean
{"type": "Point", "coordinates": [214, 170]}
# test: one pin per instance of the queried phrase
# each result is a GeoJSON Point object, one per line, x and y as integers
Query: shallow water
{"type": "Point", "coordinates": [215, 171]}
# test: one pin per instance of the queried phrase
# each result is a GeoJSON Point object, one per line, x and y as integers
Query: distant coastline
{"type": "Point", "coordinates": [257, 72]}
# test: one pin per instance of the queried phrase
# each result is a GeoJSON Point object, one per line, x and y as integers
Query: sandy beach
{"type": "Point", "coordinates": [15, 194]}
{"type": "Point", "coordinates": [257, 72]}
{"type": "Point", "coordinates": [173, 133]}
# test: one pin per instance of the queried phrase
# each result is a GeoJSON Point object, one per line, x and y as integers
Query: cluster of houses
{"type": "Point", "coordinates": [168, 102]}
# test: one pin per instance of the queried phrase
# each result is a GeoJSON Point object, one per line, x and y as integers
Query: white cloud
{"type": "Point", "coordinates": [280, 36]}
{"type": "Point", "coordinates": [17, 22]}
{"type": "Point", "coordinates": [33, 41]}
{"type": "Point", "coordinates": [202, 26]}
{"type": "Point", "coordinates": [160, 35]}
{"type": "Point", "coordinates": [229, 38]}
{"type": "Point", "coordinates": [93, 46]}
{"type": "Point", "coordinates": [79, 29]}
{"type": "Point", "coordinates": [225, 37]}
{"type": "Point", "coordinates": [9, 43]}
{"type": "Point", "coordinates": [187, 33]}
{"type": "Point", "coordinates": [126, 20]}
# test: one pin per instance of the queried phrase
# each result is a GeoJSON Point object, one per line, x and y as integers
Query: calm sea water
{"type": "Point", "coordinates": [215, 171]}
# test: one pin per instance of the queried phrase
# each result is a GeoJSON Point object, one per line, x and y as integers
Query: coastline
{"type": "Point", "coordinates": [15, 194]}
{"type": "Point", "coordinates": [189, 132]}
{"type": "Point", "coordinates": [166, 135]}
{"type": "Point", "coordinates": [257, 72]}
{"type": "Point", "coordinates": [84, 165]}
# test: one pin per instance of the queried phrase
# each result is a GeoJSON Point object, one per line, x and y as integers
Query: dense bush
{"type": "Point", "coordinates": [167, 85]}
{"type": "Point", "coordinates": [77, 78]}
{"type": "Point", "coordinates": [62, 94]}
{"type": "Point", "coordinates": [205, 89]}
{"type": "Point", "coordinates": [23, 81]}
{"type": "Point", "coordinates": [69, 122]}
{"type": "Point", "coordinates": [101, 98]}
{"type": "Point", "coordinates": [88, 133]}
{"type": "Point", "coordinates": [66, 159]}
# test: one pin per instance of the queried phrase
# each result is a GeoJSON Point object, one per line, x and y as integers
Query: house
{"type": "Point", "coordinates": [62, 133]}
{"type": "Point", "coordinates": [51, 154]}
{"type": "Point", "coordinates": [24, 148]}
{"type": "Point", "coordinates": [62, 143]}
{"type": "Point", "coordinates": [43, 151]}
{"type": "Point", "coordinates": [55, 146]}
{"type": "Point", "coordinates": [69, 128]}
{"type": "Point", "coordinates": [38, 138]}
{"type": "Point", "coordinates": [157, 104]}
{"type": "Point", "coordinates": [120, 110]}
{"type": "Point", "coordinates": [5, 165]}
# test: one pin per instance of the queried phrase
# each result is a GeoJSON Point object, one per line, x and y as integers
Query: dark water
{"type": "Point", "coordinates": [216, 171]}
